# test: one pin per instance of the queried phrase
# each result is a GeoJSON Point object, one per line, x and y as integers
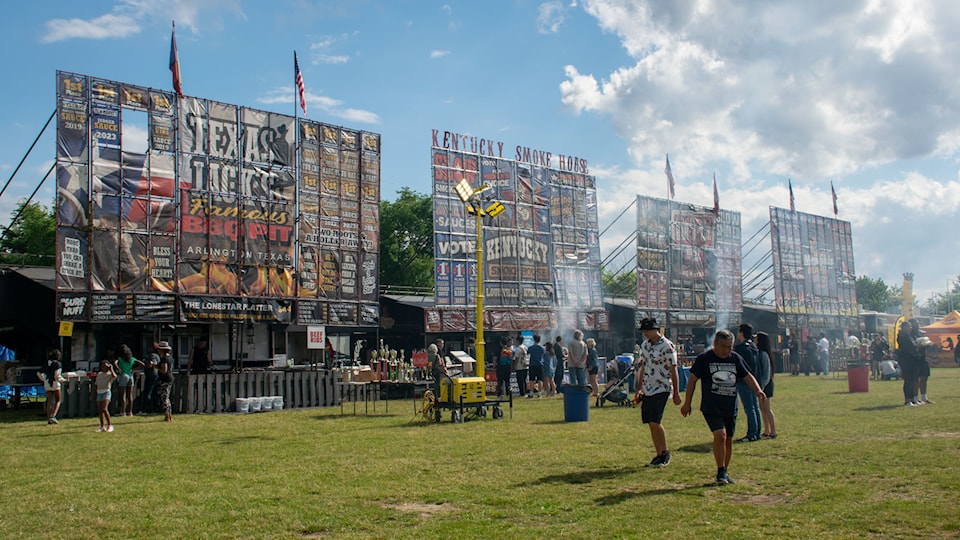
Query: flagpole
{"type": "Point", "coordinates": [295, 113]}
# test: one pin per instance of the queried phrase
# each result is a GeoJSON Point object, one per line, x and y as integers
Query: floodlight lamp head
{"type": "Point", "coordinates": [481, 189]}
{"type": "Point", "coordinates": [494, 209]}
{"type": "Point", "coordinates": [464, 190]}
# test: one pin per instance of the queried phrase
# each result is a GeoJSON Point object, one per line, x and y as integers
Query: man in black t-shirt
{"type": "Point", "coordinates": [720, 368]}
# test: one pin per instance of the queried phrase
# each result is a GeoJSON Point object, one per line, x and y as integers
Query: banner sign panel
{"type": "Point", "coordinates": [542, 252]}
{"type": "Point", "coordinates": [813, 272]}
{"type": "Point", "coordinates": [688, 262]}
{"type": "Point", "coordinates": [226, 216]}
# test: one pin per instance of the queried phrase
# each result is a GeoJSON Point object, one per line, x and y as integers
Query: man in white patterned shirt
{"type": "Point", "coordinates": [657, 381]}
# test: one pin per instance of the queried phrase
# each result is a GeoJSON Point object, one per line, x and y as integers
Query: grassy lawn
{"type": "Point", "coordinates": [845, 465]}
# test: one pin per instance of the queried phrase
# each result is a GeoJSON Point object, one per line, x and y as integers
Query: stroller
{"type": "Point", "coordinates": [615, 392]}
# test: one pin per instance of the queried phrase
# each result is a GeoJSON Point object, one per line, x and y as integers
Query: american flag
{"type": "Point", "coordinates": [175, 62]}
{"type": "Point", "coordinates": [298, 79]}
{"type": "Point", "coordinates": [669, 176]}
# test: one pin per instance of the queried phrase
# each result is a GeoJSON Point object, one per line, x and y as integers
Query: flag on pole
{"type": "Point", "coordinates": [833, 193]}
{"type": "Point", "coordinates": [670, 180]}
{"type": "Point", "coordinates": [793, 207]}
{"type": "Point", "coordinates": [175, 61]}
{"type": "Point", "coordinates": [716, 196]}
{"type": "Point", "coordinates": [298, 80]}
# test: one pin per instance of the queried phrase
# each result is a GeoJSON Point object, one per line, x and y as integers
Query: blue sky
{"type": "Point", "coordinates": [860, 93]}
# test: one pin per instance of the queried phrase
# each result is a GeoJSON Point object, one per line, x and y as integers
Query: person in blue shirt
{"type": "Point", "coordinates": [747, 350]}
{"type": "Point", "coordinates": [536, 353]}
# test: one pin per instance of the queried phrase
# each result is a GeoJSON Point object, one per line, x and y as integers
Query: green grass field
{"type": "Point", "coordinates": [845, 465]}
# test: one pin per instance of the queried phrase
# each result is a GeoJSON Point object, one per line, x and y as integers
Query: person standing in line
{"type": "Point", "coordinates": [794, 346]}
{"type": "Point", "coordinates": [105, 378]}
{"type": "Point", "coordinates": [558, 352]}
{"type": "Point", "coordinates": [658, 380]}
{"type": "Point", "coordinates": [536, 354]}
{"type": "Point", "coordinates": [811, 356]}
{"type": "Point", "coordinates": [124, 367]}
{"type": "Point", "coordinates": [438, 368]}
{"type": "Point", "coordinates": [549, 369]}
{"type": "Point", "coordinates": [593, 366]}
{"type": "Point", "coordinates": [765, 369]}
{"type": "Point", "coordinates": [199, 361]}
{"type": "Point", "coordinates": [823, 346]}
{"type": "Point", "coordinates": [148, 395]}
{"type": "Point", "coordinates": [165, 375]}
{"type": "Point", "coordinates": [720, 368]}
{"type": "Point", "coordinates": [956, 351]}
{"type": "Point", "coordinates": [907, 356]}
{"type": "Point", "coordinates": [521, 366]}
{"type": "Point", "coordinates": [504, 367]}
{"type": "Point", "coordinates": [751, 356]}
{"type": "Point", "coordinates": [878, 351]}
{"type": "Point", "coordinates": [923, 366]}
{"type": "Point", "coordinates": [52, 377]}
{"type": "Point", "coordinates": [577, 361]}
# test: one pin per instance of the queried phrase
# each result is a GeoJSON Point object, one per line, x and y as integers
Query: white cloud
{"type": "Point", "coordinates": [789, 88]}
{"type": "Point", "coordinates": [550, 17]}
{"type": "Point", "coordinates": [321, 50]}
{"type": "Point", "coordinates": [438, 54]}
{"type": "Point", "coordinates": [128, 16]}
{"type": "Point", "coordinates": [327, 106]}
{"type": "Point", "coordinates": [856, 92]}
{"type": "Point", "coordinates": [102, 27]}
{"type": "Point", "coordinates": [328, 59]}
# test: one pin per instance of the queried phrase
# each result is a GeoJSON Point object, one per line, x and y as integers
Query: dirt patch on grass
{"type": "Point", "coordinates": [760, 500]}
{"type": "Point", "coordinates": [424, 510]}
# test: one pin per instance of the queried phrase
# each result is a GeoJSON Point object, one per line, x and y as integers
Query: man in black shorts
{"type": "Point", "coordinates": [720, 368]}
{"type": "Point", "coordinates": [657, 379]}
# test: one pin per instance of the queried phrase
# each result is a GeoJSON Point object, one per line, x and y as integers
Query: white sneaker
{"type": "Point", "coordinates": [909, 404]}
{"type": "Point", "coordinates": [100, 429]}
{"type": "Point", "coordinates": [110, 429]}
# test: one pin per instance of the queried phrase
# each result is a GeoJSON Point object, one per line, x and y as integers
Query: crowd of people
{"type": "Point", "coordinates": [155, 393]}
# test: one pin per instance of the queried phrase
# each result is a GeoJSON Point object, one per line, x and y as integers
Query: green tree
{"type": "Point", "coordinates": [946, 301]}
{"type": "Point", "coordinates": [621, 285]}
{"type": "Point", "coordinates": [406, 241]}
{"type": "Point", "coordinates": [873, 294]}
{"type": "Point", "coordinates": [31, 240]}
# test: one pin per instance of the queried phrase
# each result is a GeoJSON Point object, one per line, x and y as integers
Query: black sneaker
{"type": "Point", "coordinates": [721, 479]}
{"type": "Point", "coordinates": [657, 461]}
{"type": "Point", "coordinates": [664, 458]}
{"type": "Point", "coordinates": [726, 478]}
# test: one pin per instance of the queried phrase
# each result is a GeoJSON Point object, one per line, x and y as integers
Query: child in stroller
{"type": "Point", "coordinates": [617, 374]}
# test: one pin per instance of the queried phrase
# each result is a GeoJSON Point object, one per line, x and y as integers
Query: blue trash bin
{"type": "Point", "coordinates": [576, 403]}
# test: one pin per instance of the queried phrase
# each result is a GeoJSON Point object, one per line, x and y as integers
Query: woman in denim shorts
{"type": "Point", "coordinates": [124, 366]}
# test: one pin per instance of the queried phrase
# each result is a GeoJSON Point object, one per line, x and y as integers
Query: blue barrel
{"type": "Point", "coordinates": [576, 403]}
{"type": "Point", "coordinates": [683, 374]}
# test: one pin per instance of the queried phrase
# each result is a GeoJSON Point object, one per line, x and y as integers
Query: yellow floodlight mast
{"type": "Point", "coordinates": [471, 198]}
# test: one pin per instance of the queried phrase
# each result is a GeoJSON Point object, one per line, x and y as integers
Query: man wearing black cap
{"type": "Point", "coordinates": [657, 381]}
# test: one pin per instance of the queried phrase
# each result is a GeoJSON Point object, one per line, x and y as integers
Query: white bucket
{"type": "Point", "coordinates": [277, 403]}
{"type": "Point", "coordinates": [243, 405]}
{"type": "Point", "coordinates": [254, 404]}
{"type": "Point", "coordinates": [266, 404]}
